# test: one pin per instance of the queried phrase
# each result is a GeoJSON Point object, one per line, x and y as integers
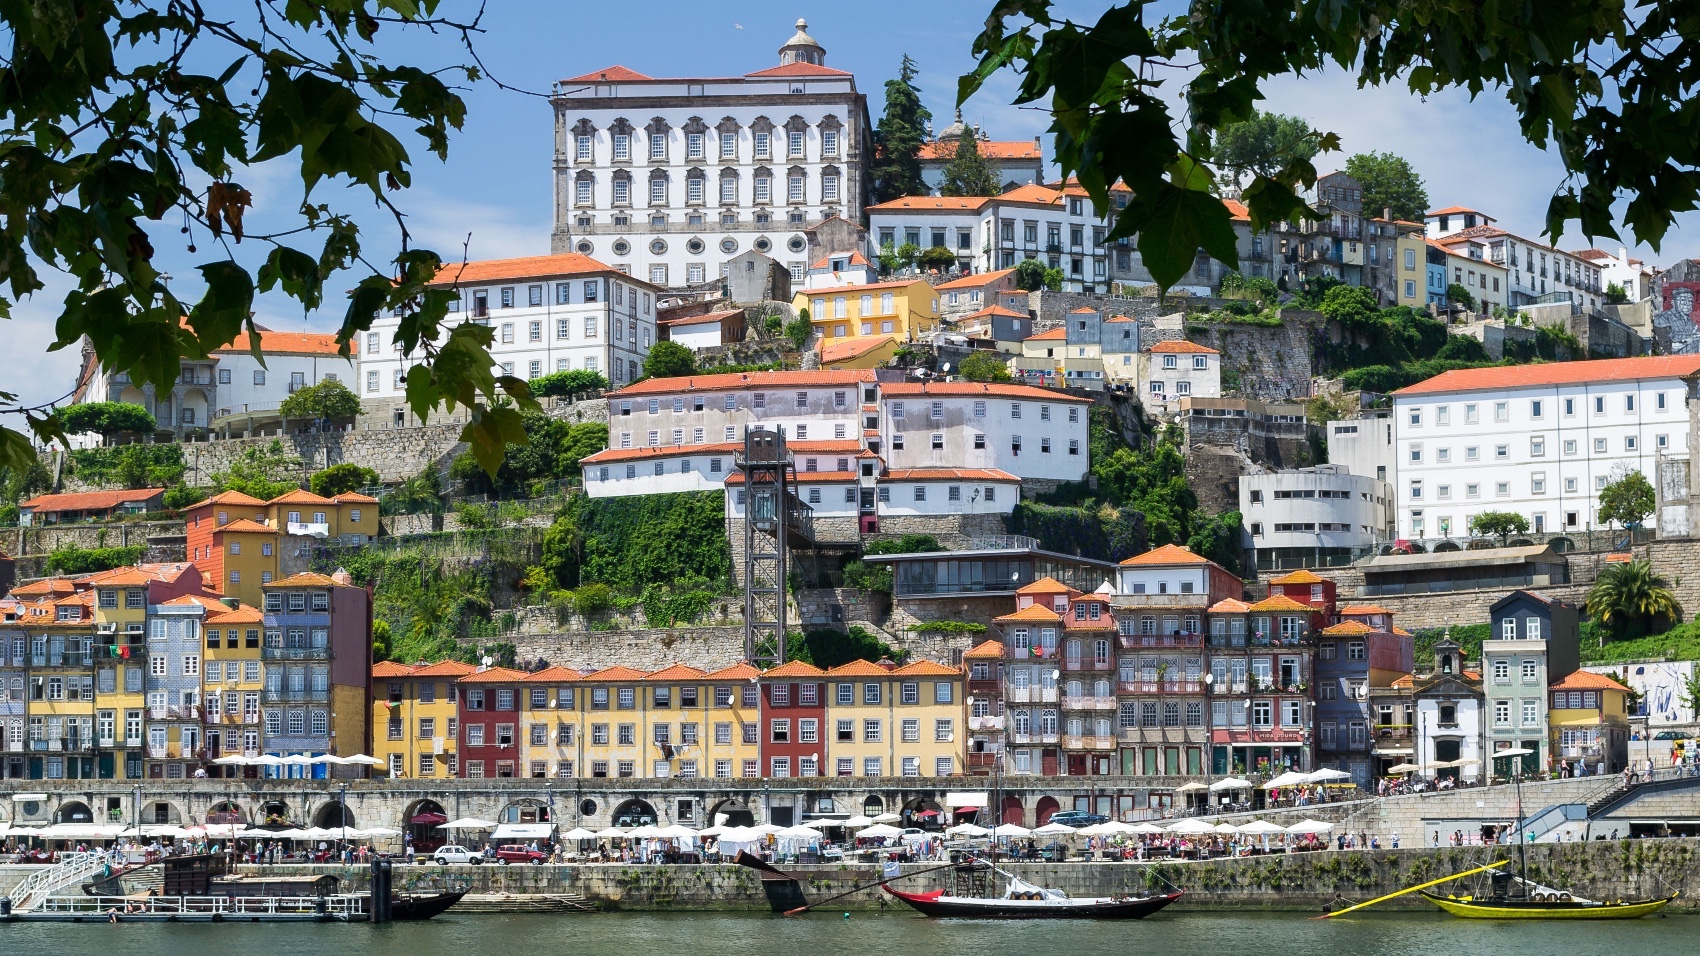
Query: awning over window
{"type": "Point", "coordinates": [522, 831]}
{"type": "Point", "coordinates": [966, 799]}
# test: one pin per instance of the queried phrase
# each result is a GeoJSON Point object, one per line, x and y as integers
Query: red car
{"type": "Point", "coordinates": [516, 853]}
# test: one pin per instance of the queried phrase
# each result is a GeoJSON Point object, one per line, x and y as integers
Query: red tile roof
{"type": "Point", "coordinates": [977, 390]}
{"type": "Point", "coordinates": [1502, 377]}
{"type": "Point", "coordinates": [998, 310]}
{"type": "Point", "coordinates": [1058, 333]}
{"type": "Point", "coordinates": [612, 74]}
{"type": "Point", "coordinates": [1032, 194]}
{"type": "Point", "coordinates": [1348, 627]}
{"type": "Point", "coordinates": [554, 675]}
{"type": "Point", "coordinates": [228, 498]}
{"type": "Point", "coordinates": [244, 526]}
{"type": "Point", "coordinates": [975, 281]}
{"type": "Point", "coordinates": [526, 267]}
{"type": "Point", "coordinates": [926, 669]}
{"type": "Point", "coordinates": [386, 669]}
{"type": "Point", "coordinates": [858, 669]}
{"type": "Point", "coordinates": [495, 675]}
{"type": "Point", "coordinates": [1181, 345]}
{"type": "Point", "coordinates": [742, 670]}
{"type": "Point", "coordinates": [354, 497]}
{"type": "Point", "coordinates": [939, 203]}
{"type": "Point", "coordinates": [88, 500]}
{"type": "Point", "coordinates": [1033, 612]}
{"type": "Point", "coordinates": [300, 497]}
{"type": "Point", "coordinates": [1229, 606]}
{"type": "Point", "coordinates": [854, 288]}
{"type": "Point", "coordinates": [794, 669]}
{"type": "Point", "coordinates": [991, 149]}
{"type": "Point", "coordinates": [803, 477]}
{"type": "Point", "coordinates": [1166, 555]}
{"type": "Point", "coordinates": [444, 669]}
{"type": "Point", "coordinates": [1362, 610]}
{"type": "Point", "coordinates": [1237, 210]}
{"type": "Point", "coordinates": [984, 649]}
{"type": "Point", "coordinates": [799, 69]}
{"type": "Point", "coordinates": [1452, 211]}
{"type": "Point", "coordinates": [1045, 585]}
{"type": "Point", "coordinates": [856, 259]}
{"type": "Point", "coordinates": [677, 672]}
{"type": "Point", "coordinates": [289, 343]}
{"type": "Point", "coordinates": [307, 579]}
{"type": "Point", "coordinates": [752, 381]}
{"type": "Point", "coordinates": [242, 615]}
{"type": "Point", "coordinates": [1281, 602]}
{"type": "Point", "coordinates": [950, 474]}
{"type": "Point", "coordinates": [1299, 577]}
{"type": "Point", "coordinates": [1588, 680]}
{"type": "Point", "coordinates": [707, 318]}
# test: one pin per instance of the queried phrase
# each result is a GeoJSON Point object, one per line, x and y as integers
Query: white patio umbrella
{"type": "Point", "coordinates": [1054, 829]}
{"type": "Point", "coordinates": [1290, 778]}
{"type": "Point", "coordinates": [718, 829]}
{"type": "Point", "coordinates": [363, 760]}
{"type": "Point", "coordinates": [579, 833]}
{"type": "Point", "coordinates": [678, 831]}
{"type": "Point", "coordinates": [1010, 831]}
{"type": "Point", "coordinates": [1096, 829]}
{"type": "Point", "coordinates": [612, 833]}
{"type": "Point", "coordinates": [800, 832]}
{"type": "Point", "coordinates": [466, 823]}
{"type": "Point", "coordinates": [1327, 775]}
{"type": "Point", "coordinates": [645, 832]}
{"type": "Point", "coordinates": [382, 832]}
{"type": "Point", "coordinates": [1310, 826]}
{"type": "Point", "coordinates": [1117, 826]}
{"type": "Point", "coordinates": [1227, 829]}
{"type": "Point", "coordinates": [295, 760]}
{"type": "Point", "coordinates": [879, 830]}
{"type": "Point", "coordinates": [1230, 783]}
{"type": "Point", "coordinates": [1403, 768]}
{"type": "Point", "coordinates": [1262, 827]}
{"type": "Point", "coordinates": [886, 817]}
{"type": "Point", "coordinates": [266, 760]}
{"type": "Point", "coordinates": [1191, 827]}
{"type": "Point", "coordinates": [968, 829]}
{"type": "Point", "coordinates": [234, 760]}
{"type": "Point", "coordinates": [859, 820]}
{"type": "Point", "coordinates": [1189, 787]}
{"type": "Point", "coordinates": [1147, 828]}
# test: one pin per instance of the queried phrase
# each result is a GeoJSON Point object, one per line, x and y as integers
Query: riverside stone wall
{"type": "Point", "coordinates": [395, 454]}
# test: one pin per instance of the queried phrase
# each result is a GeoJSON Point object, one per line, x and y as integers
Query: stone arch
{"type": "Point", "coordinates": [274, 813]}
{"type": "Point", "coordinates": [1447, 546]}
{"type": "Point", "coordinates": [873, 806]}
{"type": "Point", "coordinates": [526, 811]}
{"type": "Point", "coordinates": [162, 811]}
{"type": "Point", "coordinates": [419, 821]}
{"type": "Point", "coordinates": [736, 813]}
{"type": "Point", "coordinates": [1042, 810]}
{"type": "Point", "coordinates": [919, 811]}
{"type": "Point", "coordinates": [1013, 812]}
{"type": "Point", "coordinates": [634, 812]}
{"type": "Point", "coordinates": [1562, 544]}
{"type": "Point", "coordinates": [133, 396]}
{"type": "Point", "coordinates": [73, 811]}
{"type": "Point", "coordinates": [194, 407]}
{"type": "Point", "coordinates": [227, 811]}
{"type": "Point", "coordinates": [332, 815]}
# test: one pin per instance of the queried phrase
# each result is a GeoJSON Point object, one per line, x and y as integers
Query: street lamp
{"type": "Point", "coordinates": [1209, 732]}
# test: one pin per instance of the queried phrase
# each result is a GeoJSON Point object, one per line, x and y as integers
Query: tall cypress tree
{"type": "Point", "coordinates": [898, 138]}
{"type": "Point", "coordinates": [968, 173]}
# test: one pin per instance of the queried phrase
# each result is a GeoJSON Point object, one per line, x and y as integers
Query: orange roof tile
{"type": "Point", "coordinates": [241, 615]}
{"type": "Point", "coordinates": [526, 267]}
{"type": "Point", "coordinates": [196, 600]}
{"type": "Point", "coordinates": [494, 675]}
{"type": "Point", "coordinates": [1229, 606]}
{"type": "Point", "coordinates": [1037, 613]}
{"type": "Point", "coordinates": [926, 669]}
{"type": "Point", "coordinates": [227, 498]}
{"type": "Point", "coordinates": [1361, 610]}
{"type": "Point", "coordinates": [1032, 194]}
{"type": "Point", "coordinates": [1057, 333]}
{"type": "Point", "coordinates": [1165, 555]}
{"type": "Point", "coordinates": [742, 670]}
{"type": "Point", "coordinates": [824, 378]}
{"type": "Point", "coordinates": [794, 669]}
{"type": "Point", "coordinates": [553, 675]}
{"type": "Point", "coordinates": [677, 672]}
{"type": "Point", "coordinates": [996, 310]}
{"type": "Point", "coordinates": [1237, 210]}
{"type": "Point", "coordinates": [299, 497]}
{"type": "Point", "coordinates": [799, 68]}
{"type": "Point", "coordinates": [1281, 602]}
{"type": "Point", "coordinates": [950, 474]}
{"type": "Point", "coordinates": [950, 203]}
{"type": "Point", "coordinates": [975, 281]}
{"type": "Point", "coordinates": [1588, 680]}
{"type": "Point", "coordinates": [803, 477]}
{"type": "Point", "coordinates": [618, 673]}
{"type": "Point", "coordinates": [288, 343]}
{"type": "Point", "coordinates": [44, 587]}
{"type": "Point", "coordinates": [706, 318]}
{"type": "Point", "coordinates": [984, 649]}
{"type": "Point", "coordinates": [1502, 377]}
{"type": "Point", "coordinates": [1299, 577]}
{"type": "Point", "coordinates": [1405, 681]}
{"type": "Point", "coordinates": [354, 497]}
{"type": "Point", "coordinates": [133, 575]}
{"type": "Point", "coordinates": [855, 348]}
{"type": "Point", "coordinates": [386, 669]}
{"type": "Point", "coordinates": [1348, 627]}
{"type": "Point", "coordinates": [612, 74]}
{"type": "Point", "coordinates": [1181, 345]}
{"type": "Point", "coordinates": [1452, 211]}
{"type": "Point", "coordinates": [991, 149]}
{"type": "Point", "coordinates": [858, 669]}
{"type": "Point", "coordinates": [977, 389]}
{"type": "Point", "coordinates": [306, 579]}
{"type": "Point", "coordinates": [1083, 310]}
{"type": "Point", "coordinates": [856, 259]}
{"type": "Point", "coordinates": [88, 500]}
{"type": "Point", "coordinates": [1396, 629]}
{"type": "Point", "coordinates": [1045, 585]}
{"type": "Point", "coordinates": [893, 284]}
{"type": "Point", "coordinates": [244, 526]}
{"type": "Point", "coordinates": [444, 669]}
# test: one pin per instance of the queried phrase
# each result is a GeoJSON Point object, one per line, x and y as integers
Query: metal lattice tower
{"type": "Point", "coordinates": [774, 517]}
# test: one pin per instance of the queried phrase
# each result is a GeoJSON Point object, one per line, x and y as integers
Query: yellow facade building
{"type": "Point", "coordinates": [414, 722]}
{"type": "Point", "coordinates": [904, 310]}
{"type": "Point", "coordinates": [233, 682]}
{"type": "Point", "coordinates": [1590, 720]}
{"type": "Point", "coordinates": [896, 721]}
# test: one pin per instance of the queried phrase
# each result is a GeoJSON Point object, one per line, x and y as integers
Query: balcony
{"type": "Point", "coordinates": [1131, 641]}
{"type": "Point", "coordinates": [295, 653]}
{"type": "Point", "coordinates": [983, 761]}
{"type": "Point", "coordinates": [988, 722]}
{"type": "Point", "coordinates": [315, 529]}
{"type": "Point", "coordinates": [1088, 664]}
{"type": "Point", "coordinates": [1161, 687]}
{"type": "Point", "coordinates": [1391, 732]}
{"type": "Point", "coordinates": [1032, 695]}
{"type": "Point", "coordinates": [985, 686]}
{"type": "Point", "coordinates": [277, 695]}
{"type": "Point", "coordinates": [1089, 703]}
{"type": "Point", "coordinates": [156, 753]}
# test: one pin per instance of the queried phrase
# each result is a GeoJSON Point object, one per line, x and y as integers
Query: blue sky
{"type": "Point", "coordinates": [493, 192]}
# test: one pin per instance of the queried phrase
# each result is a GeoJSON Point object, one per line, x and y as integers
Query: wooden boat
{"type": "Point", "coordinates": [1041, 906]}
{"type": "Point", "coordinates": [1545, 906]}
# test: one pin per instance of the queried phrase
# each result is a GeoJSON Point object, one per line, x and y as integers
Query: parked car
{"type": "Point", "coordinates": [913, 835]}
{"type": "Point", "coordinates": [450, 853]}
{"type": "Point", "coordinates": [1077, 818]}
{"type": "Point", "coordinates": [518, 853]}
{"type": "Point", "coordinates": [1673, 735]}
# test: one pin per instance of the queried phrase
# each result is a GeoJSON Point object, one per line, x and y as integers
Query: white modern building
{"type": "Point", "coordinates": [1534, 269]}
{"type": "Point", "coordinates": [904, 448]}
{"type": "Point", "coordinates": [1634, 275]}
{"type": "Point", "coordinates": [1322, 516]}
{"type": "Point", "coordinates": [547, 314]}
{"type": "Point", "coordinates": [1538, 440]}
{"type": "Point", "coordinates": [669, 178]}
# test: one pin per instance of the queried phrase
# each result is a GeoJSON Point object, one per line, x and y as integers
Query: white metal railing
{"type": "Point", "coordinates": [344, 907]}
{"type": "Point", "coordinates": [34, 889]}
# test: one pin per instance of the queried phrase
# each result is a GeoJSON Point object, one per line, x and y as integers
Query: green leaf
{"type": "Point", "coordinates": [16, 452]}
{"type": "Point", "coordinates": [489, 432]}
{"type": "Point", "coordinates": [227, 305]}
{"type": "Point", "coordinates": [1174, 224]}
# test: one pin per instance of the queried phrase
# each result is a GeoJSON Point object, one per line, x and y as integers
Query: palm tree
{"type": "Point", "coordinates": [1630, 600]}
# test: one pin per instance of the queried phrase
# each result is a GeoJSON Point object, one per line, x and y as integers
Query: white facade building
{"type": "Point", "coordinates": [1634, 275]}
{"type": "Point", "coordinates": [1174, 369]}
{"type": "Point", "coordinates": [668, 178]}
{"type": "Point", "coordinates": [548, 314]}
{"type": "Point", "coordinates": [1534, 269]}
{"type": "Point", "coordinates": [1322, 516]}
{"type": "Point", "coordinates": [901, 448]}
{"type": "Point", "coordinates": [1538, 440]}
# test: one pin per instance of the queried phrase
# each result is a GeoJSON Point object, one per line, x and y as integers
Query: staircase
{"type": "Point", "coordinates": [524, 903]}
{"type": "Point", "coordinates": [1627, 794]}
{"type": "Point", "coordinates": [71, 869]}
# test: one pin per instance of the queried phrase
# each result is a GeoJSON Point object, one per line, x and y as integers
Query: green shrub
{"type": "Point", "coordinates": [132, 466]}
{"type": "Point", "coordinates": [571, 382]}
{"type": "Point", "coordinates": [106, 418]}
{"type": "Point", "coordinates": [949, 627]}
{"type": "Point", "coordinates": [327, 400]}
{"type": "Point", "coordinates": [341, 479]}
{"type": "Point", "coordinates": [178, 497]}
{"type": "Point", "coordinates": [592, 599]}
{"type": "Point", "coordinates": [867, 577]}
{"type": "Point", "coordinates": [70, 559]}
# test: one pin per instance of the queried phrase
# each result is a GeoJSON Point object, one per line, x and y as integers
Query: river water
{"type": "Point", "coordinates": [1173, 933]}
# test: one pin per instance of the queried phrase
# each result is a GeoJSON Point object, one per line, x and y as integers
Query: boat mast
{"type": "Point", "coordinates": [1522, 844]}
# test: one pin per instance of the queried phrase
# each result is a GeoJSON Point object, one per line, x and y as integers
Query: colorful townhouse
{"type": "Point", "coordinates": [233, 684]}
{"type": "Point", "coordinates": [415, 721]}
{"type": "Point", "coordinates": [241, 543]}
{"type": "Point", "coordinates": [896, 721]}
{"type": "Point", "coordinates": [792, 722]}
{"type": "Point", "coordinates": [317, 669]}
{"type": "Point", "coordinates": [489, 711]}
{"type": "Point", "coordinates": [121, 608]}
{"type": "Point", "coordinates": [1590, 721]}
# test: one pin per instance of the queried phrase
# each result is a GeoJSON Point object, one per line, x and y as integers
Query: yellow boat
{"type": "Point", "coordinates": [1548, 906]}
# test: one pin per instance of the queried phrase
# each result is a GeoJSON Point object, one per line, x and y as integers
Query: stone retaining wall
{"type": "Point", "coordinates": [43, 539]}
{"type": "Point", "coordinates": [395, 454]}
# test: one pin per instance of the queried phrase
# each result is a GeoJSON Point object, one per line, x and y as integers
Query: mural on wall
{"type": "Point", "coordinates": [1660, 684]}
{"type": "Point", "coordinates": [1676, 326]}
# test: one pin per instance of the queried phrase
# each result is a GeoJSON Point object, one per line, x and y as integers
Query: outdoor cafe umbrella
{"type": "Point", "coordinates": [381, 832]}
{"type": "Point", "coordinates": [968, 829]}
{"type": "Point", "coordinates": [886, 817]}
{"type": "Point", "coordinates": [1310, 826]}
{"type": "Point", "coordinates": [466, 823]}
{"type": "Point", "coordinates": [1327, 775]}
{"type": "Point", "coordinates": [1054, 829]}
{"type": "Point", "coordinates": [579, 833]}
{"type": "Point", "coordinates": [1189, 787]}
{"type": "Point", "coordinates": [1145, 828]}
{"type": "Point", "coordinates": [879, 830]}
{"type": "Point", "coordinates": [677, 831]}
{"type": "Point", "coordinates": [1227, 829]}
{"type": "Point", "coordinates": [645, 832]}
{"type": "Point", "coordinates": [612, 833]}
{"type": "Point", "coordinates": [364, 760]}
{"type": "Point", "coordinates": [1010, 831]}
{"type": "Point", "coordinates": [1230, 783]}
{"type": "Point", "coordinates": [1096, 829]}
{"type": "Point", "coordinates": [1191, 827]}
{"type": "Point", "coordinates": [859, 820]}
{"type": "Point", "coordinates": [1290, 778]}
{"type": "Point", "coordinates": [1262, 827]}
{"type": "Point", "coordinates": [718, 829]}
{"type": "Point", "coordinates": [1403, 768]}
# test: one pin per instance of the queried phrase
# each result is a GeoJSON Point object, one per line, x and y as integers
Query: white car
{"type": "Point", "coordinates": [445, 855]}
